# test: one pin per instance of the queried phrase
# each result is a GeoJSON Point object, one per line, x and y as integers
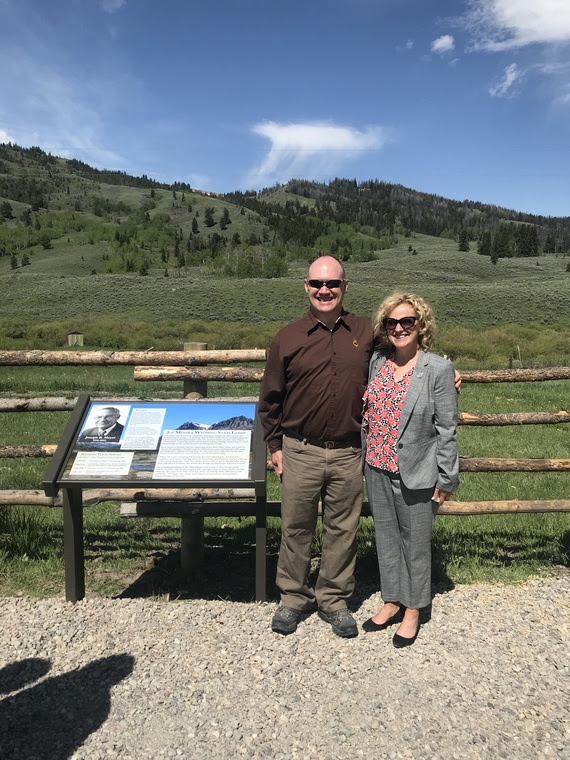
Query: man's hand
{"type": "Point", "coordinates": [277, 462]}
{"type": "Point", "coordinates": [457, 381]}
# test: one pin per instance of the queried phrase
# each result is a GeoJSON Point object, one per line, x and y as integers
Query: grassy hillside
{"type": "Point", "coordinates": [466, 291]}
{"type": "Point", "coordinates": [135, 264]}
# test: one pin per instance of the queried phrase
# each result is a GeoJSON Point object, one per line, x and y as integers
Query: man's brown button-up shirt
{"type": "Point", "coordinates": [315, 378]}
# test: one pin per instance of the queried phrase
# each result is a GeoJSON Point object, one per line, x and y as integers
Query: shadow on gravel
{"type": "Point", "coordinates": [228, 570]}
{"type": "Point", "coordinates": [16, 675]}
{"type": "Point", "coordinates": [566, 548]}
{"type": "Point", "coordinates": [50, 720]}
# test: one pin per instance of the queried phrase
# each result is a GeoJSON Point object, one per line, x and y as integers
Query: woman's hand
{"type": "Point", "coordinates": [440, 496]}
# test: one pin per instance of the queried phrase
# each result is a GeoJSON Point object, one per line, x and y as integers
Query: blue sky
{"type": "Point", "coordinates": [179, 413]}
{"type": "Point", "coordinates": [465, 99]}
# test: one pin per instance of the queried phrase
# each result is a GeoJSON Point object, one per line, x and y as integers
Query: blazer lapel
{"type": "Point", "coordinates": [414, 389]}
{"type": "Point", "coordinates": [378, 361]}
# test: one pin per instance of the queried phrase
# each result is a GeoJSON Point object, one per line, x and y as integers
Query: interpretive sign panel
{"type": "Point", "coordinates": [171, 445]}
{"type": "Point", "coordinates": [162, 442]}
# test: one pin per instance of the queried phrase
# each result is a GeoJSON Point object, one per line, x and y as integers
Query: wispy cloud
{"type": "Point", "coordinates": [199, 181]}
{"type": "Point", "coordinates": [312, 150]}
{"type": "Point", "coordinates": [408, 45]}
{"type": "Point", "coordinates": [112, 6]}
{"type": "Point", "coordinates": [443, 44]}
{"type": "Point", "coordinates": [56, 102]}
{"type": "Point", "coordinates": [53, 110]}
{"type": "Point", "coordinates": [5, 137]}
{"type": "Point", "coordinates": [503, 88]}
{"type": "Point", "coordinates": [540, 28]}
{"type": "Point", "coordinates": [499, 25]}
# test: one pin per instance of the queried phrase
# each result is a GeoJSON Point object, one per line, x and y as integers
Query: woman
{"type": "Point", "coordinates": [411, 462]}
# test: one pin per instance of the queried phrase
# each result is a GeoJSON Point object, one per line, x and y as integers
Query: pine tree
{"type": "Point", "coordinates": [209, 216]}
{"type": "Point", "coordinates": [526, 241]}
{"type": "Point", "coordinates": [501, 247]}
{"type": "Point", "coordinates": [485, 244]}
{"type": "Point", "coordinates": [463, 240]}
{"type": "Point", "coordinates": [550, 244]}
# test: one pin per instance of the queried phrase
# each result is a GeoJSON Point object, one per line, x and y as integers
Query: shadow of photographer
{"type": "Point", "coordinates": [50, 720]}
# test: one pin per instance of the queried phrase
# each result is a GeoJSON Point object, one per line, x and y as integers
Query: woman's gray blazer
{"type": "Point", "coordinates": [427, 433]}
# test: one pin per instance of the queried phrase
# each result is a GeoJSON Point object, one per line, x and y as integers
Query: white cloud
{"type": "Point", "coordinates": [310, 150]}
{"type": "Point", "coordinates": [5, 137]}
{"type": "Point", "coordinates": [508, 24]}
{"type": "Point", "coordinates": [542, 27]}
{"type": "Point", "coordinates": [503, 88]}
{"type": "Point", "coordinates": [199, 181]}
{"type": "Point", "coordinates": [443, 44]}
{"type": "Point", "coordinates": [112, 6]}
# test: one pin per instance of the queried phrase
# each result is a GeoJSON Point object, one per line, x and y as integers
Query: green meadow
{"type": "Point", "coordinates": [141, 556]}
{"type": "Point", "coordinates": [488, 314]}
{"type": "Point", "coordinates": [514, 313]}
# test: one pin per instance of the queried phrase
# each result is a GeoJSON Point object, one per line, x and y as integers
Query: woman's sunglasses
{"type": "Point", "coordinates": [406, 323]}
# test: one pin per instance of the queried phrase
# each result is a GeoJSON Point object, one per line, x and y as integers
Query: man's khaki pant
{"type": "Point", "coordinates": [311, 473]}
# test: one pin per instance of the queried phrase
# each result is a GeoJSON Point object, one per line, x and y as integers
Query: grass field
{"type": "Point", "coordinates": [465, 289]}
{"type": "Point", "coordinates": [142, 556]}
{"type": "Point", "coordinates": [488, 315]}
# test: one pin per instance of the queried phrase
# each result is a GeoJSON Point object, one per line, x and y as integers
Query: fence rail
{"type": "Point", "coordinates": [188, 366]}
{"type": "Point", "coordinates": [107, 358]}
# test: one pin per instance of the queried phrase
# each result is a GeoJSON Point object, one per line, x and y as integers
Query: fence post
{"type": "Point", "coordinates": [192, 527]}
{"type": "Point", "coordinates": [195, 388]}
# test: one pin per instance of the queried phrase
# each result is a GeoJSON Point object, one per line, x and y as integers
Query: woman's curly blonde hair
{"type": "Point", "coordinates": [423, 312]}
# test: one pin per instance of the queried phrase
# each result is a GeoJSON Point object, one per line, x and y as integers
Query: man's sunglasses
{"type": "Point", "coordinates": [330, 284]}
{"type": "Point", "coordinates": [406, 323]}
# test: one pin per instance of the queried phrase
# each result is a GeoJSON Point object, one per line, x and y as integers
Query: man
{"type": "Point", "coordinates": [107, 427]}
{"type": "Point", "coordinates": [310, 408]}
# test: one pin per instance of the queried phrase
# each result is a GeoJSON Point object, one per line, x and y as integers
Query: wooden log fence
{"type": "Point", "coordinates": [515, 375]}
{"type": "Point", "coordinates": [108, 358]}
{"type": "Point", "coordinates": [466, 464]}
{"type": "Point", "coordinates": [226, 374]}
{"type": "Point", "coordinates": [58, 404]}
{"type": "Point", "coordinates": [188, 366]}
{"type": "Point", "coordinates": [242, 509]}
{"type": "Point", "coordinates": [94, 496]}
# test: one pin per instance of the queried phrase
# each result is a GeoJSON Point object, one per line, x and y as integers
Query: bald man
{"type": "Point", "coordinates": [310, 408]}
{"type": "Point", "coordinates": [107, 426]}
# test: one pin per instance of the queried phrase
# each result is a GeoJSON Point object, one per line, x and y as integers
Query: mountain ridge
{"type": "Point", "coordinates": [122, 224]}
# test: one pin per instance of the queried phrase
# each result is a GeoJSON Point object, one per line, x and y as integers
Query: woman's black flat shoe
{"type": "Point", "coordinates": [370, 626]}
{"type": "Point", "coordinates": [402, 641]}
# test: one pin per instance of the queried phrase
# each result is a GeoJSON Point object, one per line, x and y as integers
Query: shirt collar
{"type": "Point", "coordinates": [314, 322]}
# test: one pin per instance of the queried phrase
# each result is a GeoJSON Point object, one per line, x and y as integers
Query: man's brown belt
{"type": "Point", "coordinates": [351, 441]}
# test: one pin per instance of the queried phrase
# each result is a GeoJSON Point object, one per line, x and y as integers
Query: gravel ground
{"type": "Point", "coordinates": [488, 677]}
